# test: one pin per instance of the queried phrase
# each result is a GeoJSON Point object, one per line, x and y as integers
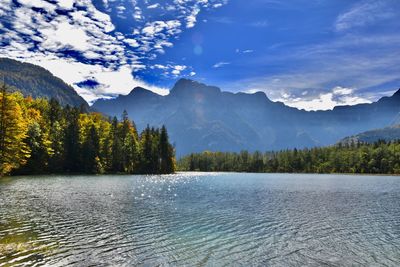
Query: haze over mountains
{"type": "Point", "coordinates": [201, 117]}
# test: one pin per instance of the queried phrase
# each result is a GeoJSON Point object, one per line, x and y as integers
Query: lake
{"type": "Point", "coordinates": [198, 219]}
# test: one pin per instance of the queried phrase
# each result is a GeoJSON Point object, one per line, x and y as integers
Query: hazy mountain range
{"type": "Point", "coordinates": [201, 117]}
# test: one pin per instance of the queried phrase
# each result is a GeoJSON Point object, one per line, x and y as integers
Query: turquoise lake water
{"type": "Point", "coordinates": [197, 219]}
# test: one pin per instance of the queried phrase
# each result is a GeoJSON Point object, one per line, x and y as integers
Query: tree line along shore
{"type": "Point", "coordinates": [378, 158]}
{"type": "Point", "coordinates": [40, 136]}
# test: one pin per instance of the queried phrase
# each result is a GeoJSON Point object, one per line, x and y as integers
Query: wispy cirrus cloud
{"type": "Point", "coordinates": [365, 13]}
{"type": "Point", "coordinates": [261, 23]}
{"type": "Point", "coordinates": [345, 62]}
{"type": "Point", "coordinates": [246, 51]}
{"type": "Point", "coordinates": [220, 64]}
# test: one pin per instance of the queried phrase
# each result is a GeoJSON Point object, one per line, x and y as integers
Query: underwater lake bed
{"type": "Point", "coordinates": [200, 219]}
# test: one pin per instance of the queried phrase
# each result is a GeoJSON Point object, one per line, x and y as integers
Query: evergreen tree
{"type": "Point", "coordinates": [91, 152]}
{"type": "Point", "coordinates": [166, 153]}
{"type": "Point", "coordinates": [129, 144]}
{"type": "Point", "coordinates": [106, 147]}
{"type": "Point", "coordinates": [155, 151]}
{"type": "Point", "coordinates": [40, 151]}
{"type": "Point", "coordinates": [146, 153]}
{"type": "Point", "coordinates": [116, 148]}
{"type": "Point", "coordinates": [71, 141]}
{"type": "Point", "coordinates": [131, 153]}
{"type": "Point", "coordinates": [56, 135]}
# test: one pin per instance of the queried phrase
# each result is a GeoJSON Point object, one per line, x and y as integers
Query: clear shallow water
{"type": "Point", "coordinates": [200, 220]}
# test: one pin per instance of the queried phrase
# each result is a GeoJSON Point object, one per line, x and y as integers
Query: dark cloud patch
{"type": "Point", "coordinates": [88, 84]}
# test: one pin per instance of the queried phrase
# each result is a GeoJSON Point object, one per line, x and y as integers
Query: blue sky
{"type": "Point", "coordinates": [307, 54]}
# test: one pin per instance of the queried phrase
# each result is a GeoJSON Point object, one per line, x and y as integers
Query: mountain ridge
{"type": "Point", "coordinates": [36, 81]}
{"type": "Point", "coordinates": [202, 117]}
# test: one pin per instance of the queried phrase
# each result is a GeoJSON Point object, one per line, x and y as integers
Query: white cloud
{"type": "Point", "coordinates": [170, 70]}
{"type": "Point", "coordinates": [137, 15]}
{"type": "Point", "coordinates": [342, 90]}
{"type": "Point", "coordinates": [61, 36]}
{"type": "Point", "coordinates": [131, 42]}
{"type": "Point", "coordinates": [98, 50]}
{"type": "Point", "coordinates": [370, 63]}
{"type": "Point", "coordinates": [38, 4]}
{"type": "Point", "coordinates": [364, 13]}
{"type": "Point", "coordinates": [112, 81]}
{"type": "Point", "coordinates": [155, 27]}
{"type": "Point", "coordinates": [178, 69]}
{"type": "Point", "coordinates": [220, 64]}
{"type": "Point", "coordinates": [247, 51]}
{"type": "Point", "coordinates": [66, 4]}
{"type": "Point", "coordinates": [156, 5]}
{"type": "Point", "coordinates": [159, 66]}
{"type": "Point", "coordinates": [338, 96]}
{"type": "Point", "coordinates": [191, 19]}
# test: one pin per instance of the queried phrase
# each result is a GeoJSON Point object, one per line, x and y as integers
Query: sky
{"type": "Point", "coordinates": [312, 55]}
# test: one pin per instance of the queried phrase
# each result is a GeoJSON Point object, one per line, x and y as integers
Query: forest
{"type": "Point", "coordinates": [40, 136]}
{"type": "Point", "coordinates": [380, 157]}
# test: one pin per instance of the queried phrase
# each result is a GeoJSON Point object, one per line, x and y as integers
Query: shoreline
{"type": "Point", "coordinates": [194, 172]}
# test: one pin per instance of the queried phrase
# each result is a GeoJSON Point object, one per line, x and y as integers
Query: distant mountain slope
{"type": "Point", "coordinates": [388, 134]}
{"type": "Point", "coordinates": [201, 117]}
{"type": "Point", "coordinates": [35, 81]}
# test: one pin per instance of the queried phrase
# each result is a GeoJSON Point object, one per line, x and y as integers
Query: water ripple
{"type": "Point", "coordinates": [199, 219]}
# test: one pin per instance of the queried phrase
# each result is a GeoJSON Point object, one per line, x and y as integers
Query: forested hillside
{"type": "Point", "coordinates": [35, 81]}
{"type": "Point", "coordinates": [388, 134]}
{"type": "Point", "coordinates": [40, 136]}
{"type": "Point", "coordinates": [381, 157]}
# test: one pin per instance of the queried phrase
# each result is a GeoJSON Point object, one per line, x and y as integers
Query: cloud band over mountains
{"type": "Point", "coordinates": [103, 41]}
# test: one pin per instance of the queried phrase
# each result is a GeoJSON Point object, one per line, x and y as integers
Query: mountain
{"type": "Point", "coordinates": [390, 133]}
{"type": "Point", "coordinates": [35, 81]}
{"type": "Point", "coordinates": [201, 117]}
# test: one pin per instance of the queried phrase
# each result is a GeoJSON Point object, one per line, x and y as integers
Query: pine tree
{"type": "Point", "coordinates": [56, 136]}
{"type": "Point", "coordinates": [116, 148]}
{"type": "Point", "coordinates": [146, 151]}
{"type": "Point", "coordinates": [71, 141]}
{"type": "Point", "coordinates": [130, 152]}
{"type": "Point", "coordinates": [155, 151]}
{"type": "Point", "coordinates": [166, 153]}
{"type": "Point", "coordinates": [91, 152]}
